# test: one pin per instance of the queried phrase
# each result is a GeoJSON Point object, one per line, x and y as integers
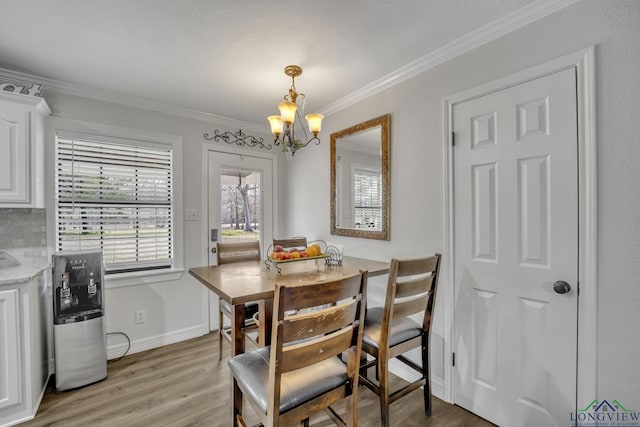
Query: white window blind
{"type": "Point", "coordinates": [118, 198]}
{"type": "Point", "coordinates": [367, 199]}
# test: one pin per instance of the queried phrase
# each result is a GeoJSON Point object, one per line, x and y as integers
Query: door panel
{"type": "Point", "coordinates": [14, 156]}
{"type": "Point", "coordinates": [10, 348]}
{"type": "Point", "coordinates": [516, 233]}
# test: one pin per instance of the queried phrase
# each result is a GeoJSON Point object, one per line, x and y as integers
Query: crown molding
{"type": "Point", "coordinates": [470, 41]}
{"type": "Point", "coordinates": [128, 100]}
{"type": "Point", "coordinates": [466, 43]}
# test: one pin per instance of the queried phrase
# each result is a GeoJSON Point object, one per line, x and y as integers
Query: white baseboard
{"type": "Point", "coordinates": [115, 351]}
{"type": "Point", "coordinates": [437, 387]}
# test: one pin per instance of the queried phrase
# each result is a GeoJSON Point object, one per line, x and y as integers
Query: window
{"type": "Point", "coordinates": [367, 199]}
{"type": "Point", "coordinates": [118, 196]}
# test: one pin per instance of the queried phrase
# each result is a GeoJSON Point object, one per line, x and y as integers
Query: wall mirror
{"type": "Point", "coordinates": [360, 180]}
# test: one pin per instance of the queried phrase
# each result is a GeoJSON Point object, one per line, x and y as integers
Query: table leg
{"type": "Point", "coordinates": [265, 318]}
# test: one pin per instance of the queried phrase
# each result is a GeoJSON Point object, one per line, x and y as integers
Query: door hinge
{"type": "Point", "coordinates": [453, 359]}
{"type": "Point", "coordinates": [453, 139]}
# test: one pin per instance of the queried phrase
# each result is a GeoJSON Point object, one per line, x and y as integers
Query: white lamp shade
{"type": "Point", "coordinates": [288, 111]}
{"type": "Point", "coordinates": [315, 122]}
{"type": "Point", "coordinates": [276, 124]}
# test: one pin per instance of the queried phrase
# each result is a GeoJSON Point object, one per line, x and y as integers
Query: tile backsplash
{"type": "Point", "coordinates": [24, 231]}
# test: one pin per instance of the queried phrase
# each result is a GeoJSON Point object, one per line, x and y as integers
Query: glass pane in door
{"type": "Point", "coordinates": [240, 205]}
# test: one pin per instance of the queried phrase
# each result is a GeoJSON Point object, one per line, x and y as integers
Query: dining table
{"type": "Point", "coordinates": [255, 281]}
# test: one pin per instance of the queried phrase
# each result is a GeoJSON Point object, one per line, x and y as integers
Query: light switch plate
{"type": "Point", "coordinates": [190, 214]}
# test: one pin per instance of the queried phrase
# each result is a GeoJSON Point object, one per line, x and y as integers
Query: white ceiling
{"type": "Point", "coordinates": [226, 57]}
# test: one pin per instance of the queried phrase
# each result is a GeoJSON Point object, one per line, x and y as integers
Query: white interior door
{"type": "Point", "coordinates": [516, 234]}
{"type": "Point", "coordinates": [240, 192]}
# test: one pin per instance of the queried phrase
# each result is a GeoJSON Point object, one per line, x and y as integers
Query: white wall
{"type": "Point", "coordinates": [177, 309]}
{"type": "Point", "coordinates": [416, 167]}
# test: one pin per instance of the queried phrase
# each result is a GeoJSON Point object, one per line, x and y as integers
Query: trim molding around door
{"type": "Point", "coordinates": [583, 62]}
{"type": "Point", "coordinates": [204, 232]}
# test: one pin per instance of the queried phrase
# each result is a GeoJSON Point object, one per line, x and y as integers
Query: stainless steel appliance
{"type": "Point", "coordinates": [78, 319]}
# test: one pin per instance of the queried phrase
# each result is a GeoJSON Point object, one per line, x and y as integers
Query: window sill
{"type": "Point", "coordinates": [137, 278]}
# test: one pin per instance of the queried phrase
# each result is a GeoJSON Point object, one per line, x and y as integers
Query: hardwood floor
{"type": "Point", "coordinates": [184, 384]}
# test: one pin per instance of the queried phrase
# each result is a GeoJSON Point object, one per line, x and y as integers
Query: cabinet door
{"type": "Point", "coordinates": [14, 155]}
{"type": "Point", "coordinates": [10, 384]}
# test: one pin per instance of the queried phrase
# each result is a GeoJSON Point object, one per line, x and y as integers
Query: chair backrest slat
{"type": "Point", "coordinates": [298, 356]}
{"type": "Point", "coordinates": [411, 267]}
{"type": "Point", "coordinates": [319, 322]}
{"type": "Point", "coordinates": [238, 252]}
{"type": "Point", "coordinates": [313, 296]}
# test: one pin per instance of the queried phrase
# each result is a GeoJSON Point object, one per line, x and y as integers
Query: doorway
{"type": "Point", "coordinates": [520, 205]}
{"type": "Point", "coordinates": [240, 205]}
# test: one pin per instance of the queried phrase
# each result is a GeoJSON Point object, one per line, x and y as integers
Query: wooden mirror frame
{"type": "Point", "coordinates": [383, 122]}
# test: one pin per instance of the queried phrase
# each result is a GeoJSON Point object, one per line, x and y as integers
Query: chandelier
{"type": "Point", "coordinates": [283, 126]}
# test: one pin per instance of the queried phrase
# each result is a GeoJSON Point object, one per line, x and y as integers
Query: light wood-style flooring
{"type": "Point", "coordinates": [184, 384]}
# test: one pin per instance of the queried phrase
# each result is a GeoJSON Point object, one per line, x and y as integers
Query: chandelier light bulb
{"type": "Point", "coordinates": [276, 125]}
{"type": "Point", "coordinates": [288, 111]}
{"type": "Point", "coordinates": [315, 122]}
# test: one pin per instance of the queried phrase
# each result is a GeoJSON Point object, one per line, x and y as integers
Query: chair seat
{"type": "Point", "coordinates": [250, 309]}
{"type": "Point", "coordinates": [402, 329]}
{"type": "Point", "coordinates": [251, 370]}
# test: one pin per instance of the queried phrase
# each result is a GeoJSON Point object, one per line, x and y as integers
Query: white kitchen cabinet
{"type": "Point", "coordinates": [22, 150]}
{"type": "Point", "coordinates": [24, 373]}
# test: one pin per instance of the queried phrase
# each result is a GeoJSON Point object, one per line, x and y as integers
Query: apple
{"type": "Point", "coordinates": [303, 254]}
{"type": "Point", "coordinates": [278, 248]}
{"type": "Point", "coordinates": [292, 250]}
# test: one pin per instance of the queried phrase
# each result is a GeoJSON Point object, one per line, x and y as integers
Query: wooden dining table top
{"type": "Point", "coordinates": [251, 281]}
{"type": "Point", "coordinates": [242, 282]}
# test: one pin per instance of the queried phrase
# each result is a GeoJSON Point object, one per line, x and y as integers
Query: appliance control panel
{"type": "Point", "coordinates": [78, 279]}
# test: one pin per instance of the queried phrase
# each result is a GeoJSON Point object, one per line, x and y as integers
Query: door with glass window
{"type": "Point", "coordinates": [240, 205]}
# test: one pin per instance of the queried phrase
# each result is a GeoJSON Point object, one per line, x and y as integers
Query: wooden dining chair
{"type": "Point", "coordinates": [229, 253]}
{"type": "Point", "coordinates": [301, 373]}
{"type": "Point", "coordinates": [389, 331]}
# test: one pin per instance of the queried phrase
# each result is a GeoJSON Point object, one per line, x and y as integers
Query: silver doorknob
{"type": "Point", "coordinates": [561, 287]}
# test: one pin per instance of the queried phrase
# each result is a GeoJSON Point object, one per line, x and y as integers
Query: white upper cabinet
{"type": "Point", "coordinates": [22, 150]}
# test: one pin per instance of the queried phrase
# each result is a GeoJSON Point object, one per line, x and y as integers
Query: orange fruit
{"type": "Point", "coordinates": [295, 255]}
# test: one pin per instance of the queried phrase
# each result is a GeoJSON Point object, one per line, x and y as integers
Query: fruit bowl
{"type": "Point", "coordinates": [297, 252]}
{"type": "Point", "coordinates": [275, 262]}
{"type": "Point", "coordinates": [297, 259]}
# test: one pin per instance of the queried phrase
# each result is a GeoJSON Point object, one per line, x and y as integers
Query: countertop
{"type": "Point", "coordinates": [29, 268]}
